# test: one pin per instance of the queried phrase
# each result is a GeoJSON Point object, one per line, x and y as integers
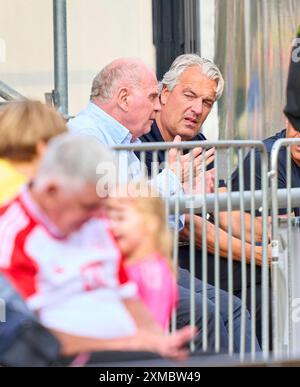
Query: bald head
{"type": "Point", "coordinates": [127, 90]}
{"type": "Point", "coordinates": [122, 72]}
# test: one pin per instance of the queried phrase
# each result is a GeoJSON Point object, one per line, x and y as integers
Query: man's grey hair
{"type": "Point", "coordinates": [182, 62]}
{"type": "Point", "coordinates": [74, 161]}
{"type": "Point", "coordinates": [121, 71]}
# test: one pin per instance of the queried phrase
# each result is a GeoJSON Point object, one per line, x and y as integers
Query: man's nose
{"type": "Point", "coordinates": [197, 107]}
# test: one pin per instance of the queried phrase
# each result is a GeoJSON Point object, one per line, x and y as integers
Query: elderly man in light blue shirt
{"type": "Point", "coordinates": [121, 109]}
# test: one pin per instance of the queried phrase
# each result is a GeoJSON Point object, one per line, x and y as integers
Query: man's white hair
{"type": "Point", "coordinates": [74, 161]}
{"type": "Point", "coordinates": [183, 62]}
{"type": "Point", "coordinates": [125, 71]}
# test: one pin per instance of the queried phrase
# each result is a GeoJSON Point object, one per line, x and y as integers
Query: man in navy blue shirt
{"type": "Point", "coordinates": [187, 97]}
{"type": "Point", "coordinates": [188, 92]}
{"type": "Point", "coordinates": [292, 112]}
{"type": "Point", "coordinates": [289, 132]}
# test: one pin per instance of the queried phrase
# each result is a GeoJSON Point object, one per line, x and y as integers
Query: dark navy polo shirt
{"type": "Point", "coordinates": [282, 175]}
{"type": "Point", "coordinates": [155, 136]}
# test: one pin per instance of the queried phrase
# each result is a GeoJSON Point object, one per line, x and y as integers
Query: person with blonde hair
{"type": "Point", "coordinates": [141, 231]}
{"type": "Point", "coordinates": [25, 129]}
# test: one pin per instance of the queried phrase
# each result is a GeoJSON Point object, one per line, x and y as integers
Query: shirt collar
{"type": "Point", "coordinates": [118, 132]}
{"type": "Point", "coordinates": [156, 133]}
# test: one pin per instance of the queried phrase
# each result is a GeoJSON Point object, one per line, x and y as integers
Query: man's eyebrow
{"type": "Point", "coordinates": [188, 90]}
{"type": "Point", "coordinates": [153, 94]}
{"type": "Point", "coordinates": [210, 99]}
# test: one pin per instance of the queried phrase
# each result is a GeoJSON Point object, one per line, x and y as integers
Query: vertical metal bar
{"type": "Point", "coordinates": [289, 246]}
{"type": "Point", "coordinates": [230, 259]}
{"type": "Point", "coordinates": [117, 153]}
{"type": "Point", "coordinates": [187, 30]}
{"type": "Point", "coordinates": [243, 257]}
{"type": "Point", "coordinates": [154, 166]}
{"type": "Point", "coordinates": [176, 235]}
{"type": "Point", "coordinates": [253, 263]}
{"type": "Point", "coordinates": [167, 186]}
{"type": "Point", "coordinates": [204, 258]}
{"type": "Point", "coordinates": [265, 260]}
{"type": "Point", "coordinates": [275, 254]}
{"type": "Point", "coordinates": [217, 255]}
{"type": "Point", "coordinates": [143, 165]}
{"type": "Point", "coordinates": [123, 167]}
{"type": "Point", "coordinates": [60, 54]}
{"type": "Point", "coordinates": [197, 11]}
{"type": "Point", "coordinates": [192, 250]}
{"type": "Point", "coordinates": [191, 25]}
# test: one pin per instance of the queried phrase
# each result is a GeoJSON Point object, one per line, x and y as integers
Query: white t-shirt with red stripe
{"type": "Point", "coordinates": [76, 284]}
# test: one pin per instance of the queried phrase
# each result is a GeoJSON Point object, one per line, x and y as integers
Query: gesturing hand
{"type": "Point", "coordinates": [181, 165]}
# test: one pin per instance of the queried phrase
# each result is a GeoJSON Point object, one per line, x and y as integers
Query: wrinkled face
{"type": "Point", "coordinates": [185, 108]}
{"type": "Point", "coordinates": [143, 105]}
{"type": "Point", "coordinates": [70, 209]}
{"type": "Point", "coordinates": [291, 132]}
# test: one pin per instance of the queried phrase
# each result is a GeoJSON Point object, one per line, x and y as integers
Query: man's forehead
{"type": "Point", "coordinates": [149, 79]}
{"type": "Point", "coordinates": [194, 78]}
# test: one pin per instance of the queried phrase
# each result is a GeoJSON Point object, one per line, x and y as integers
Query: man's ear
{"type": "Point", "coordinates": [51, 189]}
{"type": "Point", "coordinates": [164, 95]}
{"type": "Point", "coordinates": [122, 98]}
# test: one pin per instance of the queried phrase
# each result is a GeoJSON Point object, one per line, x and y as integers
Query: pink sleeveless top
{"type": "Point", "coordinates": [156, 286]}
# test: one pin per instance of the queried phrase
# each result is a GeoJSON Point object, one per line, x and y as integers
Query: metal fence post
{"type": "Point", "coordinates": [290, 199]}
{"type": "Point", "coordinates": [60, 54]}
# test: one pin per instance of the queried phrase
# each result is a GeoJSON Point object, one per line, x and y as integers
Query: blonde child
{"type": "Point", "coordinates": [25, 129]}
{"type": "Point", "coordinates": [139, 225]}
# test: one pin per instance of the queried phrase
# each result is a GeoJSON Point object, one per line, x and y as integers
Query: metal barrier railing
{"type": "Point", "coordinates": [242, 229]}
{"type": "Point", "coordinates": [9, 94]}
{"type": "Point", "coordinates": [59, 96]}
{"type": "Point", "coordinates": [284, 262]}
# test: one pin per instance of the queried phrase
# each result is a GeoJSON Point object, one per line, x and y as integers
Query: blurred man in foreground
{"type": "Point", "coordinates": [58, 252]}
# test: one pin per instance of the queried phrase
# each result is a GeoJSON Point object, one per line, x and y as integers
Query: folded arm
{"type": "Point", "coordinates": [211, 232]}
{"type": "Point", "coordinates": [236, 224]}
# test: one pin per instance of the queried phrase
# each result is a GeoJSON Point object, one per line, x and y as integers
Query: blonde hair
{"type": "Point", "coordinates": [147, 202]}
{"type": "Point", "coordinates": [23, 125]}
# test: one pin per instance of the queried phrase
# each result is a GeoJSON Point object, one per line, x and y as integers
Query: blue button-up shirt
{"type": "Point", "coordinates": [93, 121]}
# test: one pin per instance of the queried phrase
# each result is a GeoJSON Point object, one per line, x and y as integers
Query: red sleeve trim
{"type": "Point", "coordinates": [16, 265]}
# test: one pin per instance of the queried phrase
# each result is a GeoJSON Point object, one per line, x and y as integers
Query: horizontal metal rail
{"type": "Point", "coordinates": [196, 201]}
{"type": "Point", "coordinates": [153, 146]}
{"type": "Point", "coordinates": [9, 94]}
